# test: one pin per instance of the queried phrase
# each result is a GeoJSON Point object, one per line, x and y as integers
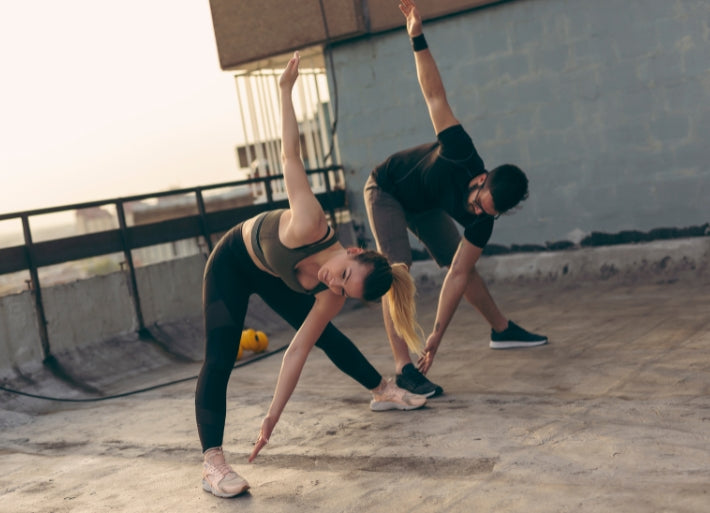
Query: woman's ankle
{"type": "Point", "coordinates": [214, 453]}
{"type": "Point", "coordinates": [380, 388]}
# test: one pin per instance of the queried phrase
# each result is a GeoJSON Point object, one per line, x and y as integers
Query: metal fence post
{"type": "Point", "coordinates": [203, 219]}
{"type": "Point", "coordinates": [131, 267]}
{"type": "Point", "coordinates": [36, 290]}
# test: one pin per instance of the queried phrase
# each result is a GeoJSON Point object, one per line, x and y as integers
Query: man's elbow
{"type": "Point", "coordinates": [436, 98]}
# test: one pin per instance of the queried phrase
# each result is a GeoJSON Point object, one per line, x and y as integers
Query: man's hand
{"type": "Point", "coordinates": [414, 21]}
{"type": "Point", "coordinates": [267, 426]}
{"type": "Point", "coordinates": [427, 359]}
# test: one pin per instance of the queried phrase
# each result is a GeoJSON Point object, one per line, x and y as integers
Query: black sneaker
{"type": "Point", "coordinates": [414, 381]}
{"type": "Point", "coordinates": [515, 336]}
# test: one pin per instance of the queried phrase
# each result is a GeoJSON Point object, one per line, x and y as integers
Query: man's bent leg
{"type": "Point", "coordinates": [478, 295]}
{"type": "Point", "coordinates": [388, 222]}
{"type": "Point", "coordinates": [505, 334]}
{"type": "Point", "coordinates": [389, 226]}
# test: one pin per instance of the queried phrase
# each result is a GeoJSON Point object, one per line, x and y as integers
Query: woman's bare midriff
{"type": "Point", "coordinates": [247, 227]}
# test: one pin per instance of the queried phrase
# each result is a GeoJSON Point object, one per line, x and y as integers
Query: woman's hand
{"type": "Point", "coordinates": [414, 20]}
{"type": "Point", "coordinates": [290, 74]}
{"type": "Point", "coordinates": [267, 426]}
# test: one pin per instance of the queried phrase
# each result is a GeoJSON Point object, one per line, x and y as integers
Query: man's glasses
{"type": "Point", "coordinates": [477, 203]}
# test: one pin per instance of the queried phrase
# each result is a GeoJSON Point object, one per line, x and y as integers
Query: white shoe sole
{"type": "Point", "coordinates": [387, 405]}
{"type": "Point", "coordinates": [206, 487]}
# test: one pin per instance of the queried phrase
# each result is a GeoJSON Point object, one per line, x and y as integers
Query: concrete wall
{"type": "Point", "coordinates": [20, 342]}
{"type": "Point", "coordinates": [605, 104]}
{"type": "Point", "coordinates": [94, 310]}
{"type": "Point", "coordinates": [171, 290]}
{"type": "Point", "coordinates": [95, 319]}
{"type": "Point", "coordinates": [87, 311]}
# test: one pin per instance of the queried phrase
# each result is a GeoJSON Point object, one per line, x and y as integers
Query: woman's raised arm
{"type": "Point", "coordinates": [308, 221]}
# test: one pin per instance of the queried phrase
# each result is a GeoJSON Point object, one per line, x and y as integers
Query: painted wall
{"type": "Point", "coordinates": [605, 105]}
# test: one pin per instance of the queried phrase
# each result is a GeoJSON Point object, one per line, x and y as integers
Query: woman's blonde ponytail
{"type": "Point", "coordinates": [395, 281]}
{"type": "Point", "coordinates": [403, 308]}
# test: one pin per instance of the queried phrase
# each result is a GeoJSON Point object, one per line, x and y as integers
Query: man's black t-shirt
{"type": "Point", "coordinates": [437, 175]}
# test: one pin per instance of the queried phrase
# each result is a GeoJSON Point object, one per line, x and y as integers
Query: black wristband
{"type": "Point", "coordinates": [419, 43]}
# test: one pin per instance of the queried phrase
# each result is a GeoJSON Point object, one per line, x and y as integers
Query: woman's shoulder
{"type": "Point", "coordinates": [297, 232]}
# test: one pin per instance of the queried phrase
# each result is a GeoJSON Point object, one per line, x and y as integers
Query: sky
{"type": "Point", "coordinates": [104, 99]}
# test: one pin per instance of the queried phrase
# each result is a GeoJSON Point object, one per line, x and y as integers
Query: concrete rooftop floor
{"type": "Point", "coordinates": [612, 416]}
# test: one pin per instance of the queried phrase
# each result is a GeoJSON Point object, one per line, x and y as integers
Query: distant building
{"type": "Point", "coordinates": [183, 205]}
{"type": "Point", "coordinates": [95, 219]}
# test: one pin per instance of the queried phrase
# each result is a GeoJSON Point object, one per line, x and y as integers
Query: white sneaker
{"type": "Point", "coordinates": [219, 478]}
{"type": "Point", "coordinates": [395, 398]}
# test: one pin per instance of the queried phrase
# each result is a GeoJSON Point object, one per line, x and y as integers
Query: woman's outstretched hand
{"type": "Point", "coordinates": [267, 426]}
{"type": "Point", "coordinates": [414, 20]}
{"type": "Point", "coordinates": [290, 74]}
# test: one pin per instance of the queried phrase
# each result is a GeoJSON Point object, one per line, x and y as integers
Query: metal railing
{"type": "Point", "coordinates": [207, 225]}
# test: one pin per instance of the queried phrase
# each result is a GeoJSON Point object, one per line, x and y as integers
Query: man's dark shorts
{"type": "Point", "coordinates": [389, 223]}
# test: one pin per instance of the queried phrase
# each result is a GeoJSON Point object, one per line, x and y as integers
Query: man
{"type": "Point", "coordinates": [425, 189]}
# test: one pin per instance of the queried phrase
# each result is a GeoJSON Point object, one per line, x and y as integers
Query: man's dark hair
{"type": "Point", "coordinates": [508, 185]}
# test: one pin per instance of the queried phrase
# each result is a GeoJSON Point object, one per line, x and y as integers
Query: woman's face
{"type": "Point", "coordinates": [344, 275]}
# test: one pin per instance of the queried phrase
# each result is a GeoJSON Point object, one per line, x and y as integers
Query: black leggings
{"type": "Point", "coordinates": [230, 278]}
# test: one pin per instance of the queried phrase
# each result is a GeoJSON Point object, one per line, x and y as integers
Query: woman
{"type": "Point", "coordinates": [292, 259]}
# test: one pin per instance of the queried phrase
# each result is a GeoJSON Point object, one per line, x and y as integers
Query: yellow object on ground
{"type": "Point", "coordinates": [262, 341]}
{"type": "Point", "coordinates": [248, 340]}
{"type": "Point", "coordinates": [252, 340]}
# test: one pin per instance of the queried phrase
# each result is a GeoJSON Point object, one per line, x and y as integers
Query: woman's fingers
{"type": "Point", "coordinates": [260, 443]}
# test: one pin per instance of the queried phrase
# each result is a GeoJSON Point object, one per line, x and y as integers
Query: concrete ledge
{"type": "Point", "coordinates": [653, 261]}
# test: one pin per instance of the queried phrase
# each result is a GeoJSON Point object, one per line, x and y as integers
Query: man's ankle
{"type": "Point", "coordinates": [402, 365]}
{"type": "Point", "coordinates": [505, 327]}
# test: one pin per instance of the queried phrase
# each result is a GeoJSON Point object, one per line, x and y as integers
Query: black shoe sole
{"type": "Point", "coordinates": [437, 391]}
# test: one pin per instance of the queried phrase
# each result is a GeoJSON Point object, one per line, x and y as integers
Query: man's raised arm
{"type": "Point", "coordinates": [442, 117]}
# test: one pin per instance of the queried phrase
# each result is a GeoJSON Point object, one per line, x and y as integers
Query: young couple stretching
{"type": "Point", "coordinates": [293, 261]}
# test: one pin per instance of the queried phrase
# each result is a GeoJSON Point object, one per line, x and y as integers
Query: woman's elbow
{"type": "Point", "coordinates": [297, 351]}
{"type": "Point", "coordinates": [291, 159]}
